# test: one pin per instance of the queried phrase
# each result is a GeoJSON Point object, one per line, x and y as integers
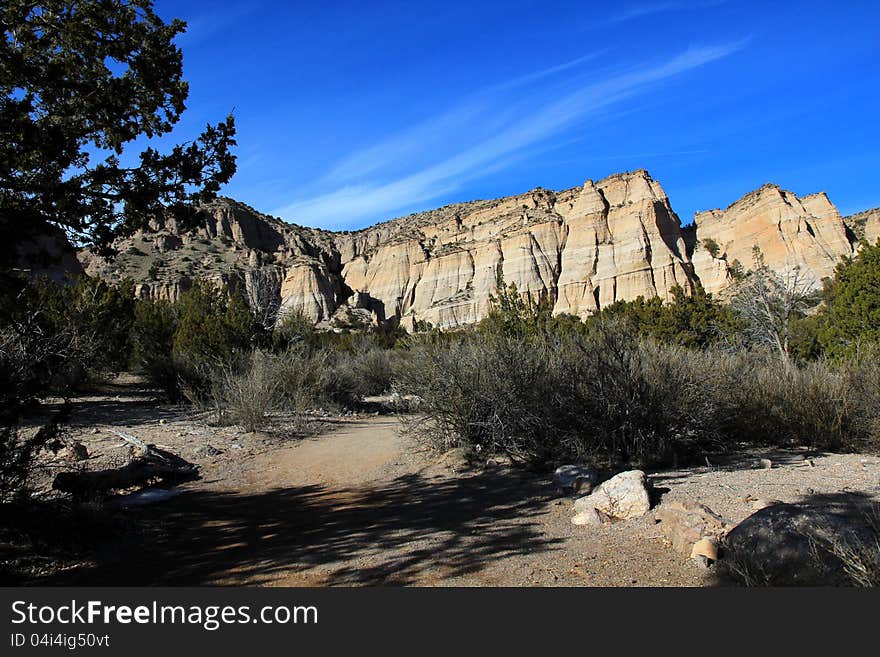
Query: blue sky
{"type": "Point", "coordinates": [350, 113]}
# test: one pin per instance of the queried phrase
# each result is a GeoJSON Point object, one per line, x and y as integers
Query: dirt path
{"type": "Point", "coordinates": [361, 504]}
{"type": "Point", "coordinates": [357, 453]}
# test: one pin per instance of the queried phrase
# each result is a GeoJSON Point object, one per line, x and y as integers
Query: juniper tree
{"type": "Point", "coordinates": [80, 83]}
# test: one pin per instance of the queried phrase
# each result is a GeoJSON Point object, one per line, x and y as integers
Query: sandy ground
{"type": "Point", "coordinates": [361, 504]}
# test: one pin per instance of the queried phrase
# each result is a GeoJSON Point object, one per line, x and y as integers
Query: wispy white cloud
{"type": "Point", "coordinates": [207, 25]}
{"type": "Point", "coordinates": [535, 76]}
{"type": "Point", "coordinates": [347, 196]}
{"type": "Point", "coordinates": [642, 10]}
{"type": "Point", "coordinates": [407, 143]}
{"type": "Point", "coordinates": [434, 132]}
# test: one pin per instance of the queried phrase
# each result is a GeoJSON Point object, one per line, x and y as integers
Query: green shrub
{"type": "Point", "coordinates": [712, 247]}
{"type": "Point", "coordinates": [214, 326]}
{"type": "Point", "coordinates": [513, 314]}
{"type": "Point", "coordinates": [153, 332]}
{"type": "Point", "coordinates": [183, 346]}
{"type": "Point", "coordinates": [851, 315]}
{"type": "Point", "coordinates": [690, 320]}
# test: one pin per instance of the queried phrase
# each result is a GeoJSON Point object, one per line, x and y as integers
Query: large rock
{"type": "Point", "coordinates": [622, 497]}
{"type": "Point", "coordinates": [802, 544]}
{"type": "Point", "coordinates": [685, 524]}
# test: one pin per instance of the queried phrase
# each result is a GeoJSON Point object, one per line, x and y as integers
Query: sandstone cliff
{"type": "Point", "coordinates": [581, 248]}
{"type": "Point", "coordinates": [865, 225]}
{"type": "Point", "coordinates": [807, 233]}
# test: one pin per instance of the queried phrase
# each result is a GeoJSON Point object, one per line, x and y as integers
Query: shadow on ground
{"type": "Point", "coordinates": [414, 529]}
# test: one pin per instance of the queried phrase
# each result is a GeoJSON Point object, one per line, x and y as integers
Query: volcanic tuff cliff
{"type": "Point", "coordinates": [582, 248]}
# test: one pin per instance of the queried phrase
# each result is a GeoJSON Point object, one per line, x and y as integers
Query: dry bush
{"type": "Point", "coordinates": [21, 364]}
{"type": "Point", "coordinates": [607, 397]}
{"type": "Point", "coordinates": [862, 374]}
{"type": "Point", "coordinates": [820, 404]}
{"type": "Point", "coordinates": [612, 397]}
{"type": "Point", "coordinates": [860, 556]}
{"type": "Point", "coordinates": [17, 454]}
{"type": "Point", "coordinates": [293, 381]}
{"type": "Point", "coordinates": [484, 395]}
{"type": "Point", "coordinates": [311, 378]}
{"type": "Point", "coordinates": [251, 393]}
{"type": "Point", "coordinates": [372, 368]}
{"type": "Point", "coordinates": [767, 301]}
{"type": "Point", "coordinates": [641, 401]}
{"type": "Point", "coordinates": [203, 387]}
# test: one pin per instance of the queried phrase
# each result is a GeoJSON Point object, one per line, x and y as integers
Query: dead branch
{"type": "Point", "coordinates": [153, 465]}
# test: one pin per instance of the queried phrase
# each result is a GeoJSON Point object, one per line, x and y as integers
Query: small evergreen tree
{"type": "Point", "coordinates": [81, 85]}
{"type": "Point", "coordinates": [851, 314]}
{"type": "Point", "coordinates": [215, 325]}
{"type": "Point", "coordinates": [155, 324]}
{"type": "Point", "coordinates": [712, 247]}
{"type": "Point", "coordinates": [513, 314]}
{"type": "Point", "coordinates": [690, 320]}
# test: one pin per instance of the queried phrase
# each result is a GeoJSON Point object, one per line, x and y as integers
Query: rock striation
{"type": "Point", "coordinates": [581, 249]}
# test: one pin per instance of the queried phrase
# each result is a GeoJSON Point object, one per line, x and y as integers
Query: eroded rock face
{"type": "Point", "coordinates": [872, 227]}
{"type": "Point", "coordinates": [623, 241]}
{"type": "Point", "coordinates": [307, 288]}
{"type": "Point", "coordinates": [807, 233]}
{"type": "Point", "coordinates": [866, 225]}
{"type": "Point", "coordinates": [581, 249]}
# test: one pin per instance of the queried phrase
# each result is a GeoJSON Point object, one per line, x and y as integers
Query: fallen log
{"type": "Point", "coordinates": [155, 466]}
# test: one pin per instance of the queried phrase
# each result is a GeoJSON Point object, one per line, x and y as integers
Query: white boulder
{"type": "Point", "coordinates": [622, 497]}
